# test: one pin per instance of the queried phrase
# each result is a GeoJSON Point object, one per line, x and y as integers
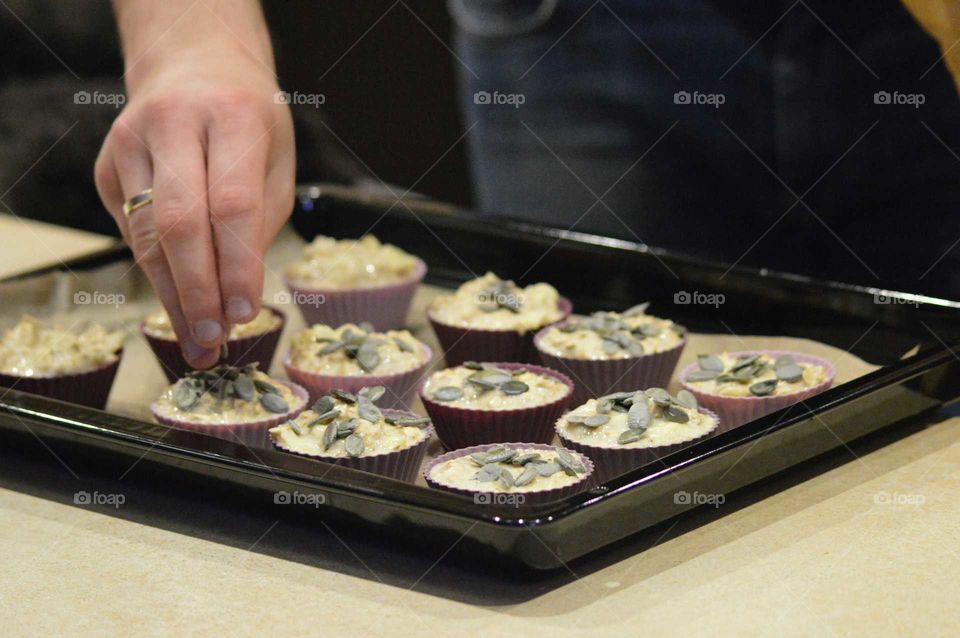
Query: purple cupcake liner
{"type": "Point", "coordinates": [612, 462]}
{"type": "Point", "coordinates": [472, 344]}
{"type": "Point", "coordinates": [401, 387]}
{"type": "Point", "coordinates": [596, 377]}
{"type": "Point", "coordinates": [488, 497]}
{"type": "Point", "coordinates": [254, 349]}
{"type": "Point", "coordinates": [250, 433]}
{"type": "Point", "coordinates": [402, 464]}
{"type": "Point", "coordinates": [460, 427]}
{"type": "Point", "coordinates": [736, 411]}
{"type": "Point", "coordinates": [384, 307]}
{"type": "Point", "coordinates": [90, 388]}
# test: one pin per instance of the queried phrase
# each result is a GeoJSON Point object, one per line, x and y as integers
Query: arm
{"type": "Point", "coordinates": [202, 128]}
{"type": "Point", "coordinates": [941, 19]}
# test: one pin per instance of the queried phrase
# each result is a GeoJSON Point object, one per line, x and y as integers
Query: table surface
{"type": "Point", "coordinates": [860, 541]}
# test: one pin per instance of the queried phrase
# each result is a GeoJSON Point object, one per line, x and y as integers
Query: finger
{"type": "Point", "coordinates": [237, 165]}
{"type": "Point", "coordinates": [183, 223]}
{"type": "Point", "coordinates": [126, 164]}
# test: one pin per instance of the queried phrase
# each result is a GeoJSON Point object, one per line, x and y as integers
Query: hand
{"type": "Point", "coordinates": [204, 130]}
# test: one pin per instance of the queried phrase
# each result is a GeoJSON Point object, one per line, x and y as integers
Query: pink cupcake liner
{"type": "Point", "coordinates": [90, 388]}
{"type": "Point", "coordinates": [736, 411]}
{"type": "Point", "coordinates": [460, 427]}
{"type": "Point", "coordinates": [401, 464]}
{"type": "Point", "coordinates": [472, 344]}
{"type": "Point", "coordinates": [384, 307]}
{"type": "Point", "coordinates": [254, 349]}
{"type": "Point", "coordinates": [529, 498]}
{"type": "Point", "coordinates": [401, 387]}
{"type": "Point", "coordinates": [612, 462]}
{"type": "Point", "coordinates": [250, 433]}
{"type": "Point", "coordinates": [596, 377]}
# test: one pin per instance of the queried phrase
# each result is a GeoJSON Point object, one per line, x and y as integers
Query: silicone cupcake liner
{"type": "Point", "coordinates": [736, 411]}
{"type": "Point", "coordinates": [401, 387]}
{"type": "Point", "coordinates": [250, 433]}
{"type": "Point", "coordinates": [459, 427]}
{"type": "Point", "coordinates": [90, 388]}
{"type": "Point", "coordinates": [472, 344]}
{"type": "Point", "coordinates": [254, 349]}
{"type": "Point", "coordinates": [401, 464]}
{"type": "Point", "coordinates": [488, 497]}
{"type": "Point", "coordinates": [612, 462]}
{"type": "Point", "coordinates": [595, 378]}
{"type": "Point", "coordinates": [384, 307]}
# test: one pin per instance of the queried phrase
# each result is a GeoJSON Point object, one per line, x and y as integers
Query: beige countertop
{"type": "Point", "coordinates": [862, 541]}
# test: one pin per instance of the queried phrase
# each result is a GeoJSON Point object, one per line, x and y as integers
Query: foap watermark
{"type": "Point", "coordinates": [299, 498]}
{"type": "Point", "coordinates": [883, 298]}
{"type": "Point", "coordinates": [97, 298]}
{"type": "Point", "coordinates": [500, 299]}
{"type": "Point", "coordinates": [684, 497]}
{"type": "Point", "coordinates": [896, 98]}
{"type": "Point", "coordinates": [499, 498]}
{"type": "Point", "coordinates": [897, 498]}
{"type": "Point", "coordinates": [98, 498]}
{"type": "Point", "coordinates": [300, 298]}
{"type": "Point", "coordinates": [699, 99]}
{"type": "Point", "coordinates": [297, 98]}
{"type": "Point", "coordinates": [516, 100]}
{"type": "Point", "coordinates": [116, 100]}
{"type": "Point", "coordinates": [697, 298]}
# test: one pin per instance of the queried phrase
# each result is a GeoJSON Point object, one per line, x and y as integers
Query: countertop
{"type": "Point", "coordinates": [861, 541]}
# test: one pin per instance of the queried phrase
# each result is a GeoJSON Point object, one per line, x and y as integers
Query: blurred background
{"type": "Point", "coordinates": [804, 168]}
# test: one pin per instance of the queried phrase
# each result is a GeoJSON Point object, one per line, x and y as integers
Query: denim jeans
{"type": "Point", "coordinates": [817, 137]}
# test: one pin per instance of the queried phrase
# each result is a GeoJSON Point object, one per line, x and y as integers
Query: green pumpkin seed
{"type": "Point", "coordinates": [264, 387]}
{"type": "Point", "coordinates": [343, 395]}
{"type": "Point", "coordinates": [638, 418]}
{"type": "Point", "coordinates": [243, 387]}
{"type": "Point", "coordinates": [324, 404]}
{"type": "Point", "coordinates": [513, 388]}
{"type": "Point", "coordinates": [524, 459]}
{"type": "Point", "coordinates": [487, 473]}
{"type": "Point", "coordinates": [368, 357]}
{"type": "Point", "coordinates": [326, 417]}
{"type": "Point", "coordinates": [506, 477]}
{"type": "Point", "coordinates": [702, 375]}
{"type": "Point", "coordinates": [675, 414]}
{"type": "Point", "coordinates": [527, 475]}
{"type": "Point", "coordinates": [639, 309]}
{"type": "Point", "coordinates": [329, 435]}
{"type": "Point", "coordinates": [763, 388]}
{"type": "Point", "coordinates": [629, 436]}
{"type": "Point", "coordinates": [367, 410]}
{"type": "Point", "coordinates": [330, 348]}
{"type": "Point", "coordinates": [403, 345]}
{"type": "Point", "coordinates": [447, 393]}
{"type": "Point", "coordinates": [353, 444]}
{"type": "Point", "coordinates": [547, 469]}
{"type": "Point", "coordinates": [185, 396]}
{"type": "Point", "coordinates": [687, 400]}
{"type": "Point", "coordinates": [789, 372]}
{"type": "Point", "coordinates": [710, 362]}
{"type": "Point", "coordinates": [274, 403]}
{"type": "Point", "coordinates": [500, 455]}
{"type": "Point", "coordinates": [596, 420]}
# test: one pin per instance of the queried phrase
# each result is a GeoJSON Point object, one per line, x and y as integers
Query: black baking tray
{"type": "Point", "coordinates": [594, 272]}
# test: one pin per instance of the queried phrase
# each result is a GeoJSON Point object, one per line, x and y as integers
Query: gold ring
{"type": "Point", "coordinates": [138, 201]}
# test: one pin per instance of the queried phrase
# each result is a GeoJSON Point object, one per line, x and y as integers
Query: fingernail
{"type": "Point", "coordinates": [238, 309]}
{"type": "Point", "coordinates": [207, 331]}
{"type": "Point", "coordinates": [193, 352]}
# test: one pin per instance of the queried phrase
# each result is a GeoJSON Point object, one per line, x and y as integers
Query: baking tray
{"type": "Point", "coordinates": [874, 324]}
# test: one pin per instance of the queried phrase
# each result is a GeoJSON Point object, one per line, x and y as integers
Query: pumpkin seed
{"type": "Point", "coordinates": [547, 469]}
{"type": "Point", "coordinates": [324, 404]}
{"type": "Point", "coordinates": [500, 455]}
{"type": "Point", "coordinates": [368, 357]}
{"type": "Point", "coordinates": [639, 309]}
{"type": "Point", "coordinates": [274, 403]}
{"type": "Point", "coordinates": [403, 345]}
{"type": "Point", "coordinates": [568, 464]}
{"type": "Point", "coordinates": [185, 396]}
{"type": "Point", "coordinates": [407, 421]}
{"type": "Point", "coordinates": [367, 410]}
{"type": "Point", "coordinates": [346, 428]}
{"type": "Point", "coordinates": [480, 458]}
{"type": "Point", "coordinates": [373, 392]}
{"type": "Point", "coordinates": [512, 388]}
{"type": "Point", "coordinates": [527, 475]}
{"type": "Point", "coordinates": [329, 348]}
{"type": "Point", "coordinates": [784, 360]}
{"type": "Point", "coordinates": [329, 435]}
{"type": "Point", "coordinates": [628, 436]}
{"type": "Point", "coordinates": [649, 330]}
{"type": "Point", "coordinates": [789, 372]}
{"type": "Point", "coordinates": [524, 459]}
{"type": "Point", "coordinates": [710, 362]}
{"type": "Point", "coordinates": [660, 397]}
{"type": "Point", "coordinates": [487, 473]}
{"type": "Point", "coordinates": [264, 387]}
{"type": "Point", "coordinates": [506, 477]}
{"type": "Point", "coordinates": [472, 365]}
{"type": "Point", "coordinates": [353, 444]}
{"type": "Point", "coordinates": [326, 417]}
{"type": "Point", "coordinates": [763, 388]}
{"type": "Point", "coordinates": [596, 420]}
{"type": "Point", "coordinates": [243, 387]}
{"type": "Point", "coordinates": [687, 400]}
{"type": "Point", "coordinates": [675, 414]}
{"type": "Point", "coordinates": [639, 416]}
{"type": "Point", "coordinates": [702, 375]}
{"type": "Point", "coordinates": [366, 326]}
{"type": "Point", "coordinates": [447, 393]}
{"type": "Point", "coordinates": [343, 395]}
